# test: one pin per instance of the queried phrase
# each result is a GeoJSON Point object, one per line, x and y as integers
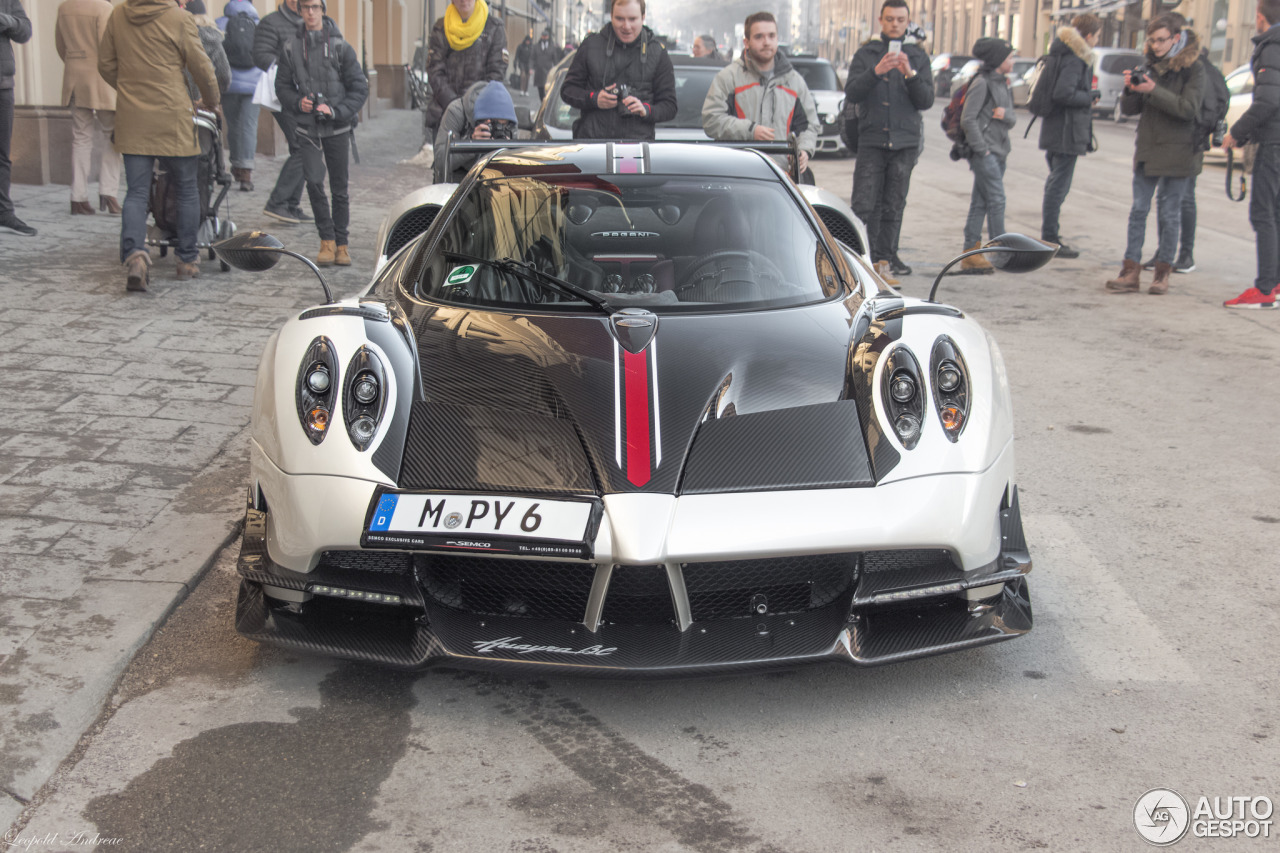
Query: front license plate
{"type": "Point", "coordinates": [492, 523]}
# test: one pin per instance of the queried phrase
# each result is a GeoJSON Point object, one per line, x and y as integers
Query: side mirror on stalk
{"type": "Point", "coordinates": [1009, 252]}
{"type": "Point", "coordinates": [258, 251]}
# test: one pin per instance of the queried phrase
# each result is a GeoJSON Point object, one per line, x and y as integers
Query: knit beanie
{"type": "Point", "coordinates": [196, 7]}
{"type": "Point", "coordinates": [494, 102]}
{"type": "Point", "coordinates": [992, 51]}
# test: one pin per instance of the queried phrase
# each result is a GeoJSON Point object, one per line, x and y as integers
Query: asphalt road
{"type": "Point", "coordinates": [1147, 480]}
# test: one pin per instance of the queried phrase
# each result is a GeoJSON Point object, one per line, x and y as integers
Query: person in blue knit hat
{"type": "Point", "coordinates": [485, 111]}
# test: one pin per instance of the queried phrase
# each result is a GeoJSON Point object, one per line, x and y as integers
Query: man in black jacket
{"type": "Point", "coordinates": [1261, 124]}
{"type": "Point", "coordinates": [891, 84]}
{"type": "Point", "coordinates": [544, 55]}
{"type": "Point", "coordinates": [621, 78]}
{"type": "Point", "coordinates": [1067, 131]}
{"type": "Point", "coordinates": [14, 26]}
{"type": "Point", "coordinates": [320, 83]}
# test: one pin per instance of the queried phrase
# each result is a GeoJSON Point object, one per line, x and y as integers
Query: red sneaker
{"type": "Point", "coordinates": [1254, 298]}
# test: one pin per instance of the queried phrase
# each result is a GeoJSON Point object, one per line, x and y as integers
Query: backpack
{"type": "Point", "coordinates": [1213, 108]}
{"type": "Point", "coordinates": [849, 127]}
{"type": "Point", "coordinates": [1040, 80]}
{"type": "Point", "coordinates": [238, 42]}
{"type": "Point", "coordinates": [951, 125]}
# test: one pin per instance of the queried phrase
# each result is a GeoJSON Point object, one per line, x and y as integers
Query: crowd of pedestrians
{"type": "Point", "coordinates": [136, 72]}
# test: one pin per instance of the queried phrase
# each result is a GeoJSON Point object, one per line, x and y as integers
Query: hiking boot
{"type": "Point", "coordinates": [300, 214]}
{"type": "Point", "coordinates": [882, 270]}
{"type": "Point", "coordinates": [342, 257]}
{"type": "Point", "coordinates": [1066, 252]}
{"type": "Point", "coordinates": [1129, 280]}
{"type": "Point", "coordinates": [281, 212]}
{"type": "Point", "coordinates": [137, 270]}
{"type": "Point", "coordinates": [897, 267]}
{"type": "Point", "coordinates": [1185, 262]}
{"type": "Point", "coordinates": [244, 177]}
{"type": "Point", "coordinates": [188, 270]}
{"type": "Point", "coordinates": [977, 264]}
{"type": "Point", "coordinates": [328, 253]}
{"type": "Point", "coordinates": [1160, 286]}
{"type": "Point", "coordinates": [9, 222]}
{"type": "Point", "coordinates": [1254, 298]}
{"type": "Point", "coordinates": [81, 208]}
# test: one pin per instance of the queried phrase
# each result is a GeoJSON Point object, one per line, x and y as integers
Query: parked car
{"type": "Point", "coordinates": [1018, 80]}
{"type": "Point", "coordinates": [693, 75]}
{"type": "Point", "coordinates": [1240, 87]}
{"type": "Point", "coordinates": [828, 98]}
{"type": "Point", "coordinates": [1109, 65]}
{"type": "Point", "coordinates": [630, 409]}
{"type": "Point", "coordinates": [945, 67]}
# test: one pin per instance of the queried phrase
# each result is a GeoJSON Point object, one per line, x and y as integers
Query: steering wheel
{"type": "Point", "coordinates": [769, 270]}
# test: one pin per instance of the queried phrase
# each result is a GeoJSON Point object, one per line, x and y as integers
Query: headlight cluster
{"type": "Point", "coordinates": [903, 392]}
{"type": "Point", "coordinates": [364, 398]}
{"type": "Point", "coordinates": [950, 387]}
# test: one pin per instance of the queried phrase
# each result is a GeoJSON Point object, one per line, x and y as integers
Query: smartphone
{"type": "Point", "coordinates": [895, 46]}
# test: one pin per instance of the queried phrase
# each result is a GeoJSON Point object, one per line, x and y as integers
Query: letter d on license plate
{"type": "Point", "coordinates": [475, 521]}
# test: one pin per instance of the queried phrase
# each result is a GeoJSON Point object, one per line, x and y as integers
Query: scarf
{"type": "Point", "coordinates": [1178, 44]}
{"type": "Point", "coordinates": [462, 34]}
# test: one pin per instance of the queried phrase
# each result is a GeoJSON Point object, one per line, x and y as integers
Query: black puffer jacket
{"type": "Point", "coordinates": [1261, 122]}
{"type": "Point", "coordinates": [1069, 128]}
{"type": "Point", "coordinates": [272, 32]}
{"type": "Point", "coordinates": [643, 65]}
{"type": "Point", "coordinates": [889, 108]}
{"type": "Point", "coordinates": [14, 26]}
{"type": "Point", "coordinates": [1166, 143]}
{"type": "Point", "coordinates": [321, 63]}
{"type": "Point", "coordinates": [451, 72]}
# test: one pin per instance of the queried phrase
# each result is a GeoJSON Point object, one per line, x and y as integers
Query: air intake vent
{"type": "Point", "coordinates": [412, 224]}
{"type": "Point", "coordinates": [841, 228]}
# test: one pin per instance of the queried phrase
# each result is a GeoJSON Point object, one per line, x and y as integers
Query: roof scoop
{"type": "Point", "coordinates": [633, 328]}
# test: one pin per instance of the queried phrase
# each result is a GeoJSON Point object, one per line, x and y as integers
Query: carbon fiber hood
{"type": "Point", "coordinates": [543, 403]}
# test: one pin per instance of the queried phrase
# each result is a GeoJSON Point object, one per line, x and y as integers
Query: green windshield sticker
{"type": "Point", "coordinates": [461, 275]}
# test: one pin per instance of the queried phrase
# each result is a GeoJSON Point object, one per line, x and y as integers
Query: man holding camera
{"type": "Point", "coordinates": [761, 96]}
{"type": "Point", "coordinates": [1067, 131]}
{"type": "Point", "coordinates": [320, 82]}
{"type": "Point", "coordinates": [890, 83]}
{"type": "Point", "coordinates": [1261, 124]}
{"type": "Point", "coordinates": [1166, 93]}
{"type": "Point", "coordinates": [485, 111]}
{"type": "Point", "coordinates": [621, 79]}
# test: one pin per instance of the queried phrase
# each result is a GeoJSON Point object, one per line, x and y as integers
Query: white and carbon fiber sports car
{"type": "Point", "coordinates": [630, 410]}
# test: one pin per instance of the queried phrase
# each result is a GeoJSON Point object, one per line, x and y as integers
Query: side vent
{"type": "Point", "coordinates": [841, 228]}
{"type": "Point", "coordinates": [410, 225]}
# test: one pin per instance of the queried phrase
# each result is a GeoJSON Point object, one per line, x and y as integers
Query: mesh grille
{"type": "Point", "coordinates": [389, 562]}
{"type": "Point", "coordinates": [639, 595]}
{"type": "Point", "coordinates": [509, 587]}
{"type": "Point", "coordinates": [840, 228]}
{"type": "Point", "coordinates": [411, 225]}
{"type": "Point", "coordinates": [907, 561]}
{"type": "Point", "coordinates": [729, 590]}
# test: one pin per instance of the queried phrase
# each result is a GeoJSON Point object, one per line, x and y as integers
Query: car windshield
{"type": "Point", "coordinates": [818, 76]}
{"type": "Point", "coordinates": [671, 244]}
{"type": "Point", "coordinates": [692, 84]}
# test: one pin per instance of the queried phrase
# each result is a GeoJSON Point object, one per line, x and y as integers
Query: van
{"type": "Point", "coordinates": [1109, 65]}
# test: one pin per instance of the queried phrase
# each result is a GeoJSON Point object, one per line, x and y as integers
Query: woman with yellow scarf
{"type": "Point", "coordinates": [466, 47]}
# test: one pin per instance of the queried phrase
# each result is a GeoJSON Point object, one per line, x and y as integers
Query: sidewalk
{"type": "Point", "coordinates": [124, 460]}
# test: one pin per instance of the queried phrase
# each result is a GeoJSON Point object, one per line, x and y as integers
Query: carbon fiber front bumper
{"type": "Point", "coordinates": [887, 615]}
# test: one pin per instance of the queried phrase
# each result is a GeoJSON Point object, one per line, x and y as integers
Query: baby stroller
{"type": "Point", "coordinates": [212, 183]}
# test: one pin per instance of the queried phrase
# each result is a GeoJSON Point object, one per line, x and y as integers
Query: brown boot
{"type": "Point", "coordinates": [1129, 280]}
{"type": "Point", "coordinates": [1160, 286]}
{"type": "Point", "coordinates": [245, 178]}
{"type": "Point", "coordinates": [328, 252]}
{"type": "Point", "coordinates": [188, 271]}
{"type": "Point", "coordinates": [109, 204]}
{"type": "Point", "coordinates": [977, 264]}
{"type": "Point", "coordinates": [882, 270]}
{"type": "Point", "coordinates": [81, 208]}
{"type": "Point", "coordinates": [137, 270]}
{"type": "Point", "coordinates": [342, 257]}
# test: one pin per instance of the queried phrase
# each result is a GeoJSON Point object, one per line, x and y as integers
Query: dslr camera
{"type": "Point", "coordinates": [499, 129]}
{"type": "Point", "coordinates": [623, 91]}
{"type": "Point", "coordinates": [1139, 75]}
{"type": "Point", "coordinates": [316, 100]}
{"type": "Point", "coordinates": [1219, 133]}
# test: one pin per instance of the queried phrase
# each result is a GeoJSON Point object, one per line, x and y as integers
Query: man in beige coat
{"type": "Point", "coordinates": [80, 26]}
{"type": "Point", "coordinates": [146, 46]}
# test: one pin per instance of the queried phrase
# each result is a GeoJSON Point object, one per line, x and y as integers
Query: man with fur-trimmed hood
{"type": "Point", "coordinates": [1067, 131]}
{"type": "Point", "coordinates": [1166, 93]}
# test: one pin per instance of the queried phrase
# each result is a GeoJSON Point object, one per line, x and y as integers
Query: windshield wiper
{"type": "Point", "coordinates": [527, 271]}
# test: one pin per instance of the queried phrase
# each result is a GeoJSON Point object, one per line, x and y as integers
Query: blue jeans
{"type": "Point", "coordinates": [133, 223]}
{"type": "Point", "coordinates": [1062, 167]}
{"type": "Point", "coordinates": [1168, 192]}
{"type": "Point", "coordinates": [242, 128]}
{"type": "Point", "coordinates": [987, 200]}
